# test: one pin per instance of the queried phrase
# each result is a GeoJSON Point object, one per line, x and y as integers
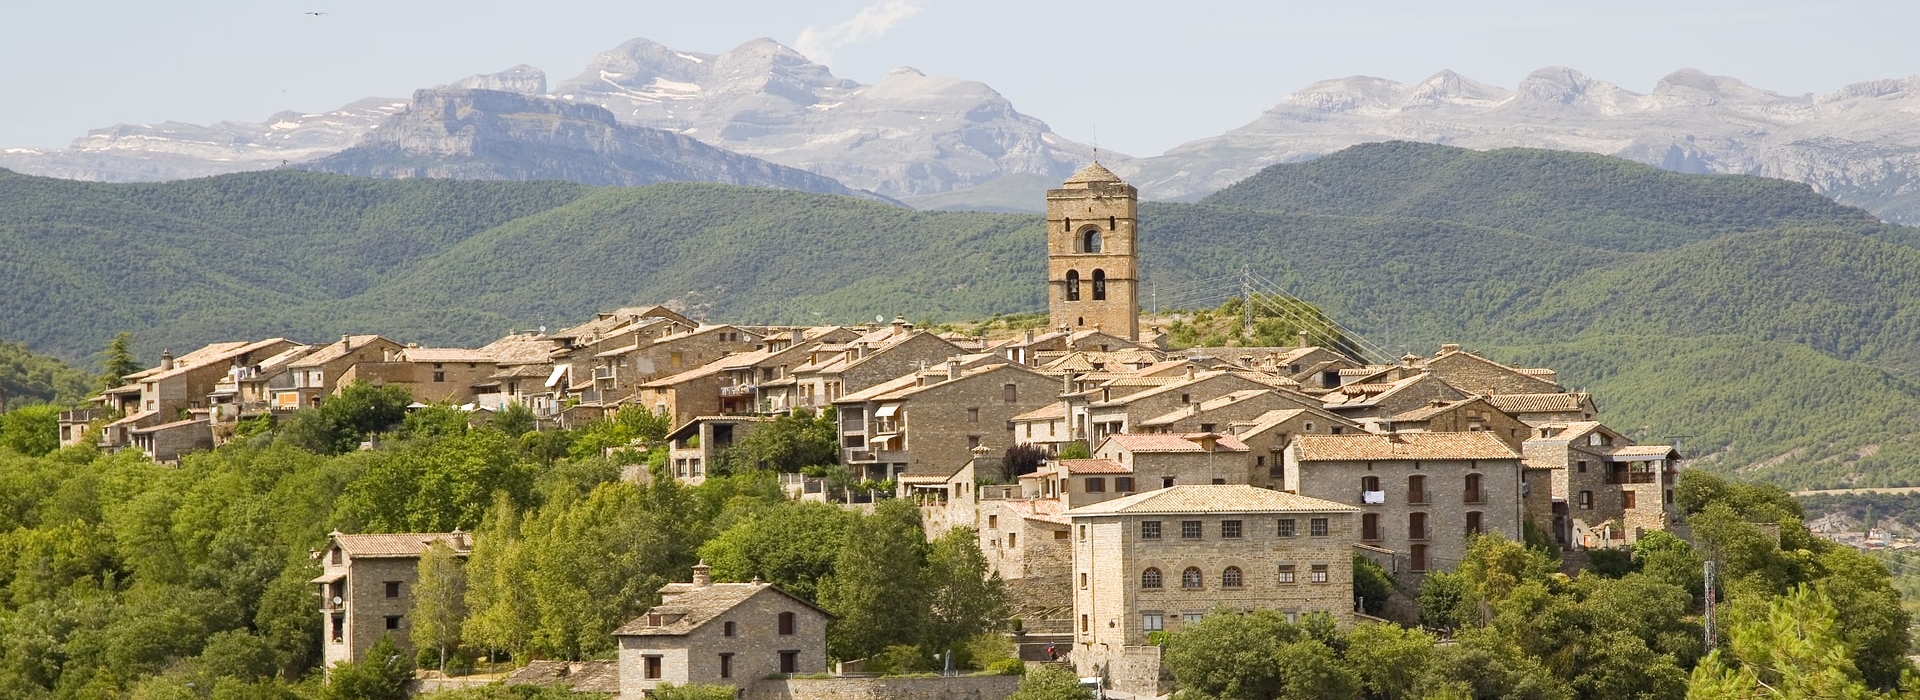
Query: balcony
{"type": "Point", "coordinates": [603, 373]}
{"type": "Point", "coordinates": [1419, 498]}
{"type": "Point", "coordinates": [737, 390]}
{"type": "Point", "coordinates": [1475, 497]}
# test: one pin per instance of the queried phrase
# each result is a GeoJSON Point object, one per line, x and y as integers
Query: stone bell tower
{"type": "Point", "coordinates": [1092, 273]}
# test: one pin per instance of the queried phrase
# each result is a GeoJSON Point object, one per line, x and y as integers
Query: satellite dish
{"type": "Point", "coordinates": [879, 318]}
{"type": "Point", "coordinates": [337, 600]}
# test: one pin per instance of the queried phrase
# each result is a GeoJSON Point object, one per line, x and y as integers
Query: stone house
{"type": "Point", "coordinates": [836, 370]}
{"type": "Point", "coordinates": [318, 374]}
{"type": "Point", "coordinates": [257, 389]}
{"type": "Point", "coordinates": [1112, 408]}
{"type": "Point", "coordinates": [1421, 496]}
{"type": "Point", "coordinates": [366, 588]}
{"type": "Point", "coordinates": [1045, 427]}
{"type": "Point", "coordinates": [1606, 490]}
{"type": "Point", "coordinates": [456, 376]}
{"type": "Point", "coordinates": [1215, 414]}
{"type": "Point", "coordinates": [692, 447]}
{"type": "Point", "coordinates": [650, 349]}
{"type": "Point", "coordinates": [169, 403]}
{"type": "Point", "coordinates": [1268, 434]}
{"type": "Point", "coordinates": [928, 422]}
{"type": "Point", "coordinates": [710, 633]}
{"type": "Point", "coordinates": [1163, 460]}
{"type": "Point", "coordinates": [1469, 415]}
{"type": "Point", "coordinates": [1158, 560]}
{"type": "Point", "coordinates": [1382, 400]}
{"type": "Point", "coordinates": [731, 384]}
{"type": "Point", "coordinates": [1478, 375]}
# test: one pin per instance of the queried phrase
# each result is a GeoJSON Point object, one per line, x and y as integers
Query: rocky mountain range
{"type": "Point", "coordinates": [495, 134]}
{"type": "Point", "coordinates": [1859, 144]}
{"type": "Point", "coordinates": [939, 142]}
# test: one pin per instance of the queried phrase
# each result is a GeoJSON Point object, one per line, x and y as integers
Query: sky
{"type": "Point", "coordinates": [1134, 76]}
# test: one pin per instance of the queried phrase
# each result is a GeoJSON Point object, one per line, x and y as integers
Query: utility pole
{"type": "Point", "coordinates": [1709, 608]}
{"type": "Point", "coordinates": [1246, 302]}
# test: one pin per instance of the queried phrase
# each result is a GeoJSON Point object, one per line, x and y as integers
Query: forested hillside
{"type": "Point", "coordinates": [1569, 260]}
{"type": "Point", "coordinates": [26, 377]}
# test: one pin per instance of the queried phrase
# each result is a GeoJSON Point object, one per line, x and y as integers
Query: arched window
{"type": "Point", "coordinates": [1099, 285]}
{"type": "Point", "coordinates": [1150, 578]}
{"type": "Point", "coordinates": [786, 623]}
{"type": "Point", "coordinates": [1369, 483]}
{"type": "Point", "coordinates": [1090, 240]}
{"type": "Point", "coordinates": [1231, 577]}
{"type": "Point", "coordinates": [1190, 578]}
{"type": "Point", "coordinates": [1073, 285]}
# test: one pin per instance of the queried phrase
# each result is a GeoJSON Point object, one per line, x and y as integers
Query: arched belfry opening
{"type": "Point", "coordinates": [1073, 285]}
{"type": "Point", "coordinates": [1090, 240]}
{"type": "Point", "coordinates": [1099, 285]}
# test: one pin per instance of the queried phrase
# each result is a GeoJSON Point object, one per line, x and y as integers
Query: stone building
{"type": "Point", "coordinates": [617, 365]}
{"type": "Point", "coordinates": [1478, 375]}
{"type": "Point", "coordinates": [1092, 272]}
{"type": "Point", "coordinates": [166, 409]}
{"type": "Point", "coordinates": [1268, 434]}
{"type": "Point", "coordinates": [731, 384]}
{"type": "Point", "coordinates": [734, 634]}
{"type": "Point", "coordinates": [1421, 495]}
{"type": "Point", "coordinates": [1607, 491]}
{"type": "Point", "coordinates": [835, 370]}
{"type": "Point", "coordinates": [693, 445]}
{"type": "Point", "coordinates": [1469, 415]}
{"type": "Point", "coordinates": [1541, 409]}
{"type": "Point", "coordinates": [1161, 559]}
{"type": "Point", "coordinates": [318, 374]}
{"type": "Point", "coordinates": [366, 588]}
{"type": "Point", "coordinates": [1164, 460]}
{"type": "Point", "coordinates": [928, 422]}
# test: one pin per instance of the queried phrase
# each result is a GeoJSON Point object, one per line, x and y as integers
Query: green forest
{"type": "Point", "coordinates": [1742, 300]}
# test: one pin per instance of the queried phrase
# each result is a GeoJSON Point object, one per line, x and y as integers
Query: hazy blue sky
{"type": "Point", "coordinates": [1150, 75]}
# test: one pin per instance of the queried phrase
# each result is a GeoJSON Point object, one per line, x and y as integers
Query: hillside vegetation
{"type": "Point", "coordinates": [1574, 261]}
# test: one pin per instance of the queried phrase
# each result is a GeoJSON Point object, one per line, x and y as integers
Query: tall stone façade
{"type": "Point", "coordinates": [1092, 270]}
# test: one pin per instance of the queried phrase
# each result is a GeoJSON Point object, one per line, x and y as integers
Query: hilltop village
{"type": "Point", "coordinates": [1120, 488]}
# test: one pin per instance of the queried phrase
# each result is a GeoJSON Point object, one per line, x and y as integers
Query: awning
{"type": "Point", "coordinates": [887, 410]}
{"type": "Point", "coordinates": [883, 439]}
{"type": "Point", "coordinates": [558, 372]}
{"type": "Point", "coordinates": [330, 578]}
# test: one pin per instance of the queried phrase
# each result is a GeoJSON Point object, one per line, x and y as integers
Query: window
{"type": "Point", "coordinates": [1083, 533]}
{"type": "Point", "coordinates": [1318, 574]}
{"type": "Point", "coordinates": [1073, 285]}
{"type": "Point", "coordinates": [439, 376]}
{"type": "Point", "coordinates": [393, 589]}
{"type": "Point", "coordinates": [1286, 573]}
{"type": "Point", "coordinates": [1581, 466]}
{"type": "Point", "coordinates": [1370, 527]}
{"type": "Point", "coordinates": [1090, 241]}
{"type": "Point", "coordinates": [1309, 427]}
{"type": "Point", "coordinates": [1417, 490]}
{"type": "Point", "coordinates": [1336, 429]}
{"type": "Point", "coordinates": [786, 624]}
{"type": "Point", "coordinates": [1586, 500]}
{"type": "Point", "coordinates": [1416, 526]}
{"type": "Point", "coordinates": [790, 662]}
{"type": "Point", "coordinates": [1123, 484]}
{"type": "Point", "coordinates": [339, 628]}
{"type": "Point", "coordinates": [1285, 528]}
{"type": "Point", "coordinates": [1083, 623]}
{"type": "Point", "coordinates": [1083, 580]}
{"type": "Point", "coordinates": [1149, 529]}
{"type": "Point", "coordinates": [1472, 491]}
{"type": "Point", "coordinates": [730, 629]}
{"type": "Point", "coordinates": [1626, 499]}
{"type": "Point", "coordinates": [1190, 578]}
{"type": "Point", "coordinates": [1166, 482]}
{"type": "Point", "coordinates": [1369, 484]}
{"type": "Point", "coordinates": [1189, 529]}
{"type": "Point", "coordinates": [1317, 527]}
{"type": "Point", "coordinates": [1099, 285]}
{"type": "Point", "coordinates": [1013, 539]}
{"type": "Point", "coordinates": [1419, 558]}
{"type": "Point", "coordinates": [336, 555]}
{"type": "Point", "coordinates": [652, 667]}
{"type": "Point", "coordinates": [973, 441]}
{"type": "Point", "coordinates": [1010, 393]}
{"type": "Point", "coordinates": [1096, 484]}
{"type": "Point", "coordinates": [1230, 529]}
{"type": "Point", "coordinates": [993, 521]}
{"type": "Point", "coordinates": [1206, 427]}
{"type": "Point", "coordinates": [393, 622]}
{"type": "Point", "coordinates": [973, 415]}
{"type": "Point", "coordinates": [726, 665]}
{"type": "Point", "coordinates": [1190, 618]}
{"type": "Point", "coordinates": [1473, 523]}
{"type": "Point", "coordinates": [1150, 578]}
{"type": "Point", "coordinates": [1231, 578]}
{"type": "Point", "coordinates": [1152, 622]}
{"type": "Point", "coordinates": [1186, 398]}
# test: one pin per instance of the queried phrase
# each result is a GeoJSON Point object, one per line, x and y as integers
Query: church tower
{"type": "Point", "coordinates": [1092, 273]}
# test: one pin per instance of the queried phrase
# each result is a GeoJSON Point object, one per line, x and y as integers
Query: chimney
{"type": "Point", "coordinates": [953, 368]}
{"type": "Point", "coordinates": [1303, 338]}
{"type": "Point", "coordinates": [1246, 361]}
{"type": "Point", "coordinates": [899, 325]}
{"type": "Point", "coordinates": [346, 341]}
{"type": "Point", "coordinates": [1205, 440]}
{"type": "Point", "coordinates": [1449, 347]}
{"type": "Point", "coordinates": [1066, 382]}
{"type": "Point", "coordinates": [458, 540]}
{"type": "Point", "coordinates": [166, 360]}
{"type": "Point", "coordinates": [797, 335]}
{"type": "Point", "coordinates": [702, 574]}
{"type": "Point", "coordinates": [1190, 370]}
{"type": "Point", "coordinates": [1028, 336]}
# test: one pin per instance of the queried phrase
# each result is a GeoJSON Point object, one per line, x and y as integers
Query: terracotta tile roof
{"type": "Point", "coordinates": [690, 607]}
{"type": "Point", "coordinates": [1430, 410]}
{"type": "Point", "coordinates": [1094, 172]}
{"type": "Point", "coordinates": [1430, 446]}
{"type": "Point", "coordinates": [1174, 442]}
{"type": "Point", "coordinates": [1626, 452]}
{"type": "Point", "coordinates": [1048, 412]}
{"type": "Point", "coordinates": [520, 349]}
{"type": "Point", "coordinates": [217, 352]}
{"type": "Point", "coordinates": [1212, 499]}
{"type": "Point", "coordinates": [336, 350]}
{"type": "Point", "coordinates": [1213, 404]}
{"type": "Point", "coordinates": [1094, 466]}
{"type": "Point", "coordinates": [1539, 403]}
{"type": "Point", "coordinates": [1567, 432]}
{"type": "Point", "coordinates": [446, 355]}
{"type": "Point", "coordinates": [905, 387]}
{"type": "Point", "coordinates": [400, 544]}
{"type": "Point", "coordinates": [578, 676]}
{"type": "Point", "coordinates": [1268, 420]}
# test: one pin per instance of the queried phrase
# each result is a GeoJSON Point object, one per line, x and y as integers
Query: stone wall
{"type": "Point", "coordinates": [1445, 505]}
{"type": "Point", "coordinates": [942, 688]}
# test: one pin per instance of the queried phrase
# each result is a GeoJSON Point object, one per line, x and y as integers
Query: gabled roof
{"type": "Point", "coordinates": [578, 676]}
{"type": "Point", "coordinates": [904, 387]}
{"type": "Point", "coordinates": [1626, 453]}
{"type": "Point", "coordinates": [1094, 466]}
{"type": "Point", "coordinates": [1266, 421]}
{"type": "Point", "coordinates": [1435, 408]}
{"type": "Point", "coordinates": [446, 355]}
{"type": "Point", "coordinates": [1052, 411]}
{"type": "Point", "coordinates": [400, 544]}
{"type": "Point", "coordinates": [691, 607]}
{"type": "Point", "coordinates": [216, 352]}
{"type": "Point", "coordinates": [520, 349]}
{"type": "Point", "coordinates": [1358, 395]}
{"type": "Point", "coordinates": [334, 351]}
{"type": "Point", "coordinates": [1174, 442]}
{"type": "Point", "coordinates": [1211, 499]}
{"type": "Point", "coordinates": [1568, 431]}
{"type": "Point", "coordinates": [1402, 446]}
{"type": "Point", "coordinates": [1540, 403]}
{"type": "Point", "coordinates": [1213, 404]}
{"type": "Point", "coordinates": [1535, 374]}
